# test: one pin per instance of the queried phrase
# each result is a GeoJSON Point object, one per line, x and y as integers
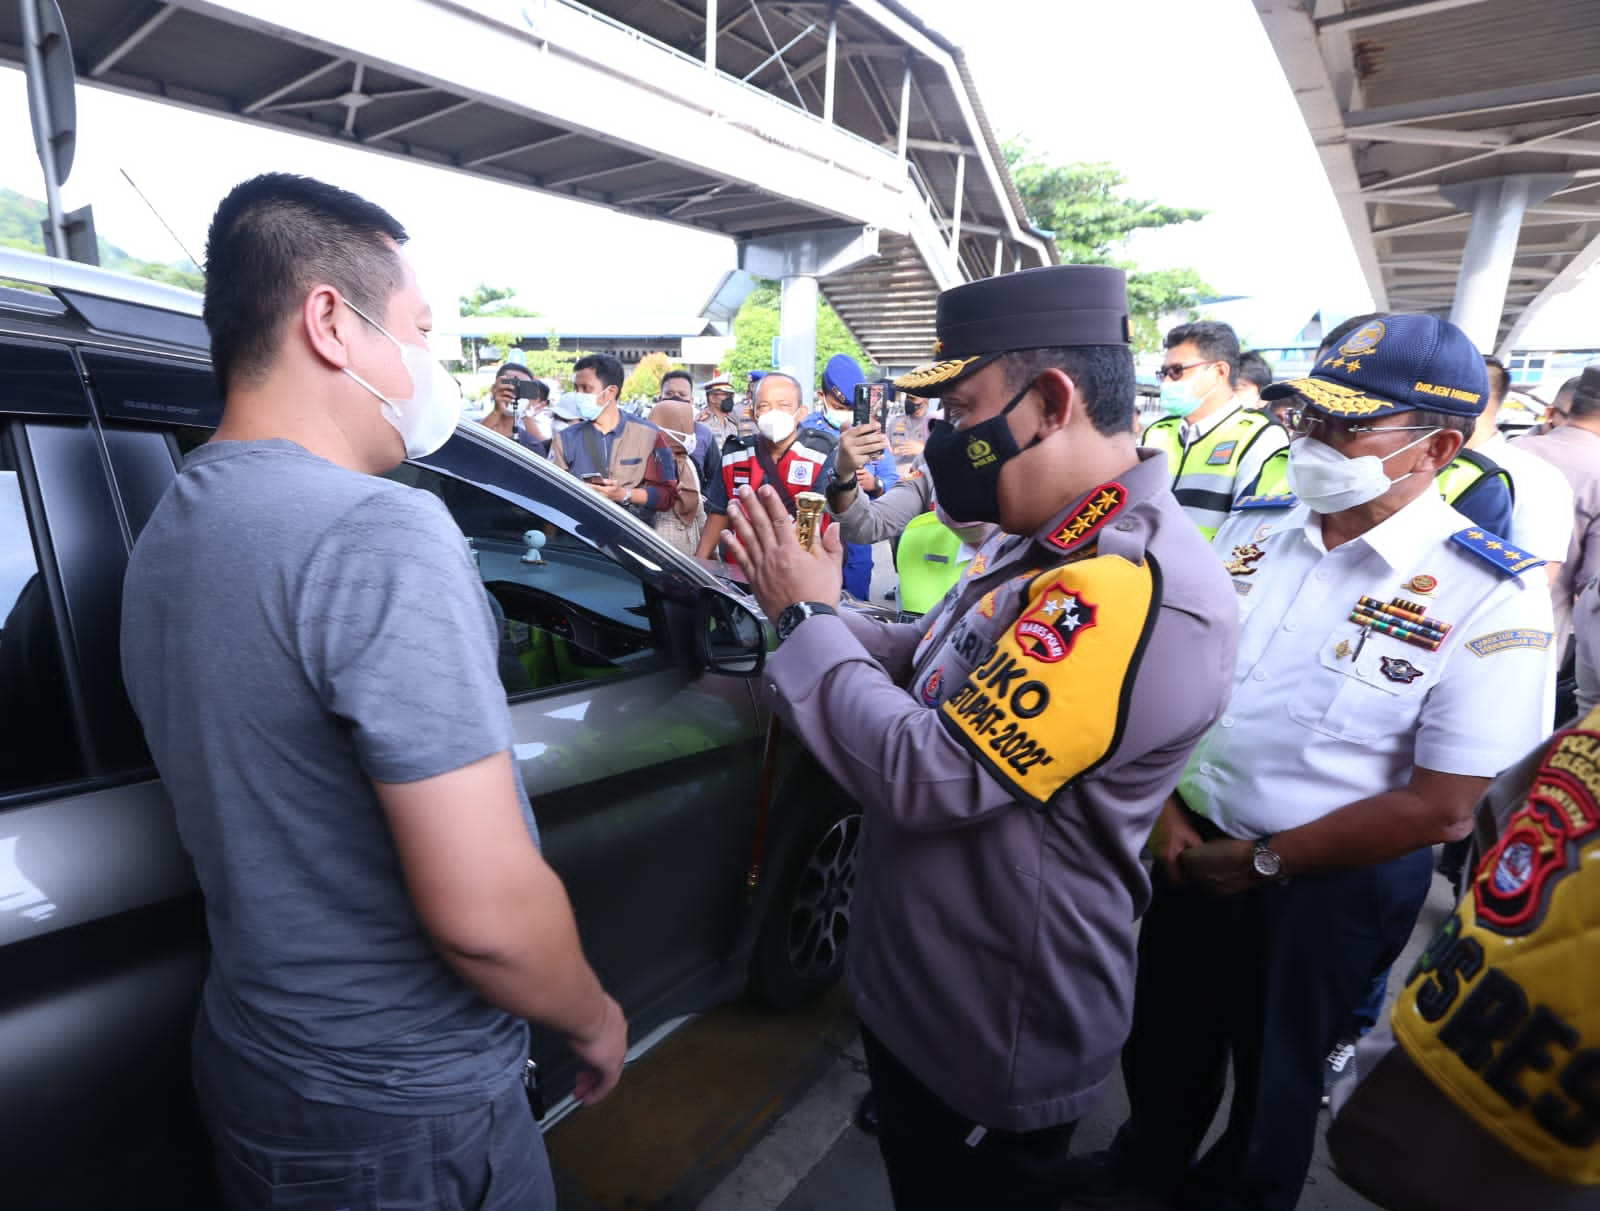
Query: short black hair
{"type": "Point", "coordinates": [1499, 379]}
{"type": "Point", "coordinates": [1564, 393]}
{"type": "Point", "coordinates": [606, 368]}
{"type": "Point", "coordinates": [1103, 373]}
{"type": "Point", "coordinates": [271, 240]}
{"type": "Point", "coordinates": [683, 374]}
{"type": "Point", "coordinates": [1254, 368]}
{"type": "Point", "coordinates": [1340, 331]}
{"type": "Point", "coordinates": [517, 366]}
{"type": "Point", "coordinates": [1586, 396]}
{"type": "Point", "coordinates": [1216, 341]}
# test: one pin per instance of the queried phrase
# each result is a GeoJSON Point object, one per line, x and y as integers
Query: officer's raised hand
{"type": "Point", "coordinates": [779, 570]}
{"type": "Point", "coordinates": [858, 446]}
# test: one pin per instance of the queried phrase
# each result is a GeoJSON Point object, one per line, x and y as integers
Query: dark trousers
{"type": "Point", "coordinates": [931, 1164]}
{"type": "Point", "coordinates": [276, 1151]}
{"type": "Point", "coordinates": [1270, 976]}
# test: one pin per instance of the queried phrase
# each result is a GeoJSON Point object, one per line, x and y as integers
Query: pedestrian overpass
{"type": "Point", "coordinates": [839, 142]}
{"type": "Point", "coordinates": [1462, 139]}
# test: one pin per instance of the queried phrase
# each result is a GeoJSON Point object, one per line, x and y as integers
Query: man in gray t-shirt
{"type": "Point", "coordinates": [313, 658]}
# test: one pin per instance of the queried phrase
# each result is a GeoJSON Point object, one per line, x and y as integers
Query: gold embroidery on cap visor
{"type": "Point", "coordinates": [1338, 400]}
{"type": "Point", "coordinates": [934, 375]}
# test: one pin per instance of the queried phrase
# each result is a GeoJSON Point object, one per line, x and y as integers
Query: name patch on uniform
{"type": "Point", "coordinates": [801, 472]}
{"type": "Point", "coordinates": [1223, 454]}
{"type": "Point", "coordinates": [1499, 641]}
{"type": "Point", "coordinates": [1048, 703]}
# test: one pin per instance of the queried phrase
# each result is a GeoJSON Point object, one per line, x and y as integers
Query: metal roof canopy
{"type": "Point", "coordinates": [801, 115]}
{"type": "Point", "coordinates": [1418, 106]}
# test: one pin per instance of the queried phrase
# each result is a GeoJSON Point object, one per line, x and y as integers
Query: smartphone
{"type": "Point", "coordinates": [594, 479]}
{"type": "Point", "coordinates": [527, 389]}
{"type": "Point", "coordinates": [887, 406]}
{"type": "Point", "coordinates": [868, 399]}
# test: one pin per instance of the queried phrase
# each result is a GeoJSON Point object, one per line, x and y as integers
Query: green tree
{"type": "Point", "coordinates": [20, 217]}
{"type": "Point", "coordinates": [645, 381]}
{"type": "Point", "coordinates": [552, 362]}
{"type": "Point", "coordinates": [492, 300]}
{"type": "Point", "coordinates": [1083, 205]}
{"type": "Point", "coordinates": [757, 325]}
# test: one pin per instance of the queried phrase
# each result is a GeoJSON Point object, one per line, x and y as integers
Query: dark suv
{"type": "Point", "coordinates": [701, 855]}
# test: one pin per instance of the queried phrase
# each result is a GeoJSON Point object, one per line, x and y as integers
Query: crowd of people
{"type": "Point", "coordinates": [1236, 677]}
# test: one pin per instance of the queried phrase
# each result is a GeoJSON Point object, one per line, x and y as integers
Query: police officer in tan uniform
{"type": "Point", "coordinates": [1053, 697]}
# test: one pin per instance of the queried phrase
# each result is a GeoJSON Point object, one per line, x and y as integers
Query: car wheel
{"type": "Point", "coordinates": [800, 951]}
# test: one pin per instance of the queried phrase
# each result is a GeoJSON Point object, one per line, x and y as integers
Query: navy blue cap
{"type": "Point", "coordinates": [1395, 364]}
{"type": "Point", "coordinates": [1050, 307]}
{"type": "Point", "coordinates": [842, 375]}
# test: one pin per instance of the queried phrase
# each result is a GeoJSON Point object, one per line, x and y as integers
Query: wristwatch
{"type": "Point", "coordinates": [1263, 860]}
{"type": "Point", "coordinates": [794, 615]}
{"type": "Point", "coordinates": [838, 486]}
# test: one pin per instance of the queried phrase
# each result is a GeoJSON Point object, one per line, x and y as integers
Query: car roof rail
{"type": "Point", "coordinates": [107, 301]}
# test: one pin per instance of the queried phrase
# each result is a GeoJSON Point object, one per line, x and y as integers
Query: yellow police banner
{"type": "Point", "coordinates": [1502, 1011]}
{"type": "Point", "coordinates": [1048, 703]}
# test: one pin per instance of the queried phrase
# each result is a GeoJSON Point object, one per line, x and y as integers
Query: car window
{"type": "Point", "coordinates": [567, 612]}
{"type": "Point", "coordinates": [38, 739]}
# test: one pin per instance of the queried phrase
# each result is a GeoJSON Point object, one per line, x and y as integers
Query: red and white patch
{"type": "Point", "coordinates": [1048, 632]}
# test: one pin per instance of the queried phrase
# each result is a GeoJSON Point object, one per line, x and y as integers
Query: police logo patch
{"type": "Point", "coordinates": [1048, 632]}
{"type": "Point", "coordinates": [980, 453]}
{"type": "Point", "coordinates": [930, 687]}
{"type": "Point", "coordinates": [1222, 455]}
{"type": "Point", "coordinates": [802, 472]}
{"type": "Point", "coordinates": [1514, 871]}
{"type": "Point", "coordinates": [1397, 668]}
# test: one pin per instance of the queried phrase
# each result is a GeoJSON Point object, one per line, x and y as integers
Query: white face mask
{"type": "Point", "coordinates": [585, 407]}
{"type": "Point", "coordinates": [840, 418]}
{"type": "Point", "coordinates": [427, 417]}
{"type": "Point", "coordinates": [1329, 482]}
{"type": "Point", "coordinates": [776, 425]}
{"type": "Point", "coordinates": [687, 440]}
{"type": "Point", "coordinates": [541, 422]}
{"type": "Point", "coordinates": [973, 533]}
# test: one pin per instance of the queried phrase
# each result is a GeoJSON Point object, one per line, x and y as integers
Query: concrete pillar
{"type": "Point", "coordinates": [797, 259]}
{"type": "Point", "coordinates": [1497, 205]}
{"type": "Point", "coordinates": [797, 331]}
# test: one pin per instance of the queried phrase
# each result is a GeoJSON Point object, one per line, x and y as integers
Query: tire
{"type": "Point", "coordinates": [799, 953]}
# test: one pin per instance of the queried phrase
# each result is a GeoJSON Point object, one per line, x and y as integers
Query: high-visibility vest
{"type": "Point", "coordinates": [1206, 474]}
{"type": "Point", "coordinates": [929, 561]}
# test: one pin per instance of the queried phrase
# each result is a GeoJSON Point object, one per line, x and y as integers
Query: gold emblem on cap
{"type": "Point", "coordinates": [932, 376]}
{"type": "Point", "coordinates": [1364, 340]}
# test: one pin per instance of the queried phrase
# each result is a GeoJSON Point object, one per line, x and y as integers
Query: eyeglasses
{"type": "Point", "coordinates": [1176, 372]}
{"type": "Point", "coordinates": [1302, 422]}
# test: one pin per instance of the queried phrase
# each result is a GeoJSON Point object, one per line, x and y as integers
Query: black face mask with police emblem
{"type": "Point", "coordinates": [965, 463]}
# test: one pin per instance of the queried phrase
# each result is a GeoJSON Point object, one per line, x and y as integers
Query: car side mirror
{"type": "Point", "coordinates": [729, 636]}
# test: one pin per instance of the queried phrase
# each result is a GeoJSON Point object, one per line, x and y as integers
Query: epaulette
{"type": "Point", "coordinates": [1099, 507]}
{"type": "Point", "coordinates": [1278, 500]}
{"type": "Point", "coordinates": [1495, 551]}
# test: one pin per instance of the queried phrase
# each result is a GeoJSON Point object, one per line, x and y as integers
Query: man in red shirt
{"type": "Point", "coordinates": [791, 459]}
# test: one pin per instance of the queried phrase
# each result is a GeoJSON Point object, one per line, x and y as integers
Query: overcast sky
{"type": "Point", "coordinates": [1195, 111]}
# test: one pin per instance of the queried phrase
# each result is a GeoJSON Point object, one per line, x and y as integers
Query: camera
{"type": "Point", "coordinates": [527, 388]}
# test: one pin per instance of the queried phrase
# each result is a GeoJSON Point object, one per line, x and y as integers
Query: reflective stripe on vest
{"type": "Point", "coordinates": [1205, 474]}
{"type": "Point", "coordinates": [928, 560]}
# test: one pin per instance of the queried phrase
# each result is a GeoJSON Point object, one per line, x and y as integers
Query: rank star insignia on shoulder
{"type": "Point", "coordinates": [1276, 500]}
{"type": "Point", "coordinates": [1508, 561]}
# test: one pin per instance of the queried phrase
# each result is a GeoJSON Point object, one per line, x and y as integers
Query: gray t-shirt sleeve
{"type": "Point", "coordinates": [396, 635]}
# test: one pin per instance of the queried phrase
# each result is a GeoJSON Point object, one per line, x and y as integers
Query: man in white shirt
{"type": "Point", "coordinates": [1541, 504]}
{"type": "Point", "coordinates": [1392, 659]}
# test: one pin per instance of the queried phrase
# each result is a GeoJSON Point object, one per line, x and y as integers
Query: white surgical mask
{"type": "Point", "coordinates": [972, 533]}
{"type": "Point", "coordinates": [776, 425]}
{"type": "Point", "coordinates": [541, 424]}
{"type": "Point", "coordinates": [687, 440]}
{"type": "Point", "coordinates": [427, 417]}
{"type": "Point", "coordinates": [1329, 482]}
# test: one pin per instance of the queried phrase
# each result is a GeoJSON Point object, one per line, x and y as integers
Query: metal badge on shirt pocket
{"type": "Point", "coordinates": [1365, 695]}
